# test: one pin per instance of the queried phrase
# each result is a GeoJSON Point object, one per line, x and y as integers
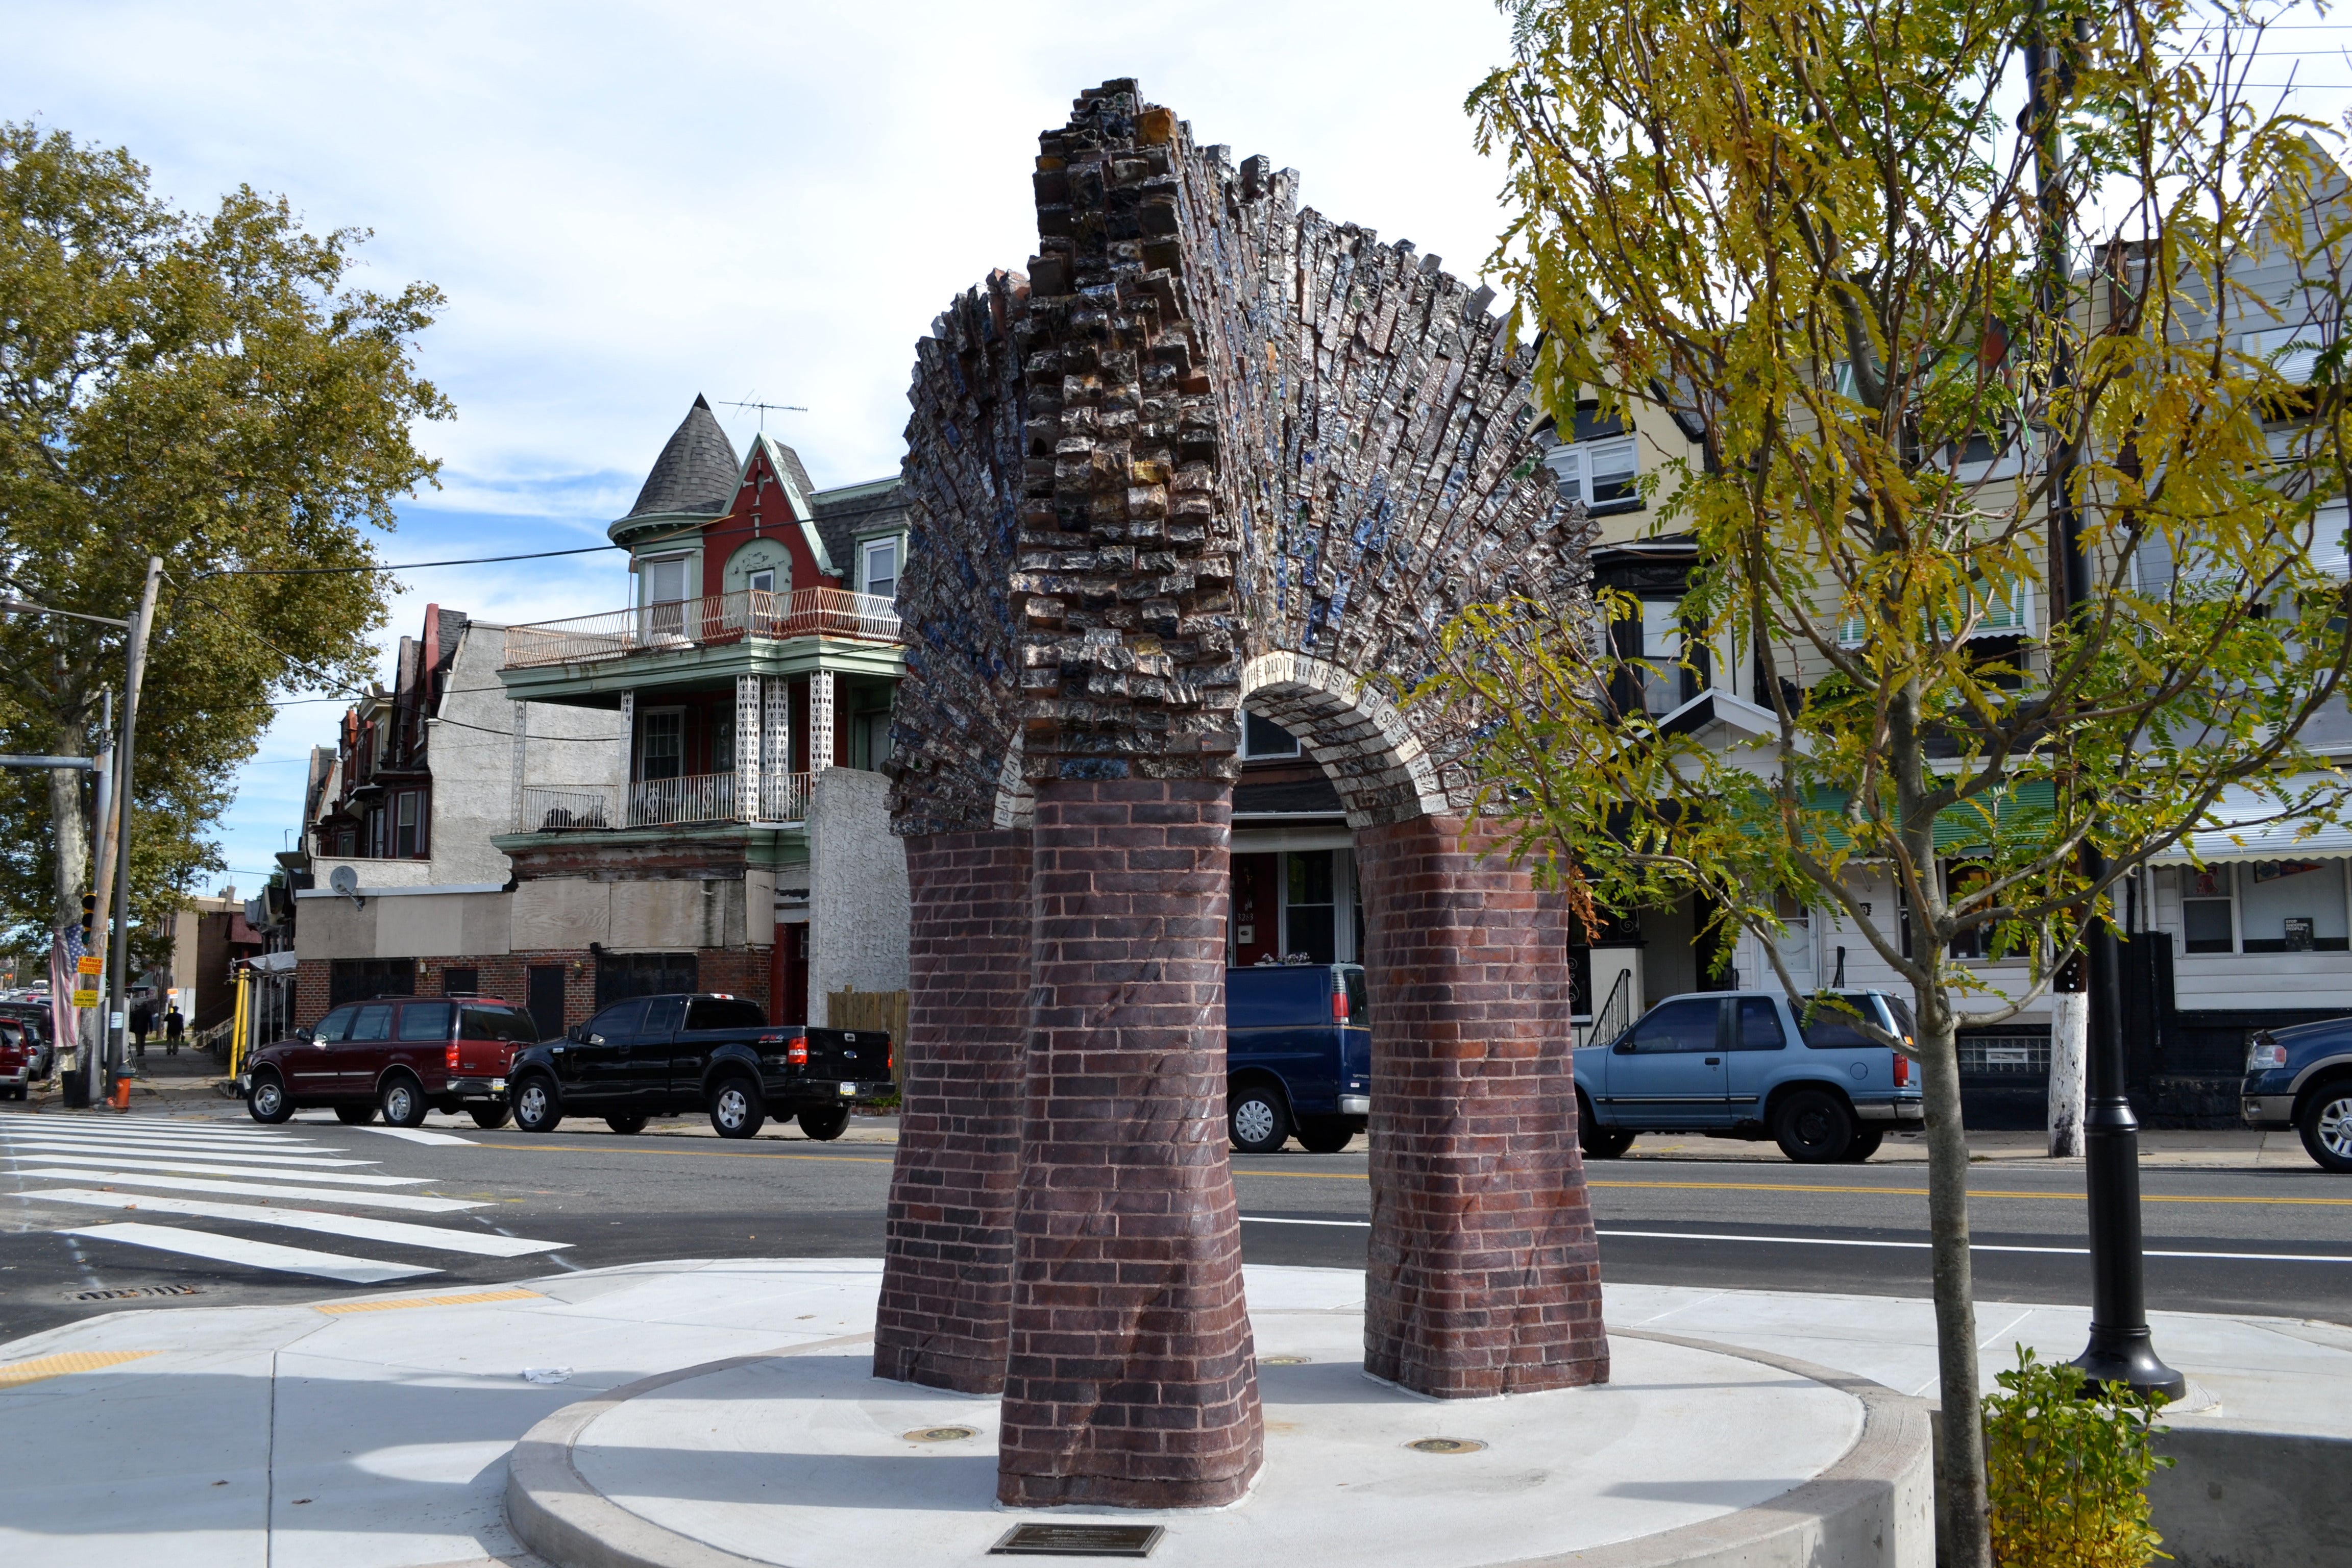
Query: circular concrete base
{"type": "Point", "coordinates": [1692, 1454]}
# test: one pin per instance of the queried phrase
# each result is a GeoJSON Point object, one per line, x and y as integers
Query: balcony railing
{"type": "Point", "coordinates": [679, 802]}
{"type": "Point", "coordinates": [712, 621]}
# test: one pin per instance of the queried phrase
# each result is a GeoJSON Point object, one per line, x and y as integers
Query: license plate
{"type": "Point", "coordinates": [849, 1088]}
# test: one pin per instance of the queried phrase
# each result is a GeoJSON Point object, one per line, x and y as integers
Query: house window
{"type": "Point", "coordinates": [2208, 909]}
{"type": "Point", "coordinates": [661, 743]}
{"type": "Point", "coordinates": [408, 830]}
{"type": "Point", "coordinates": [665, 591]}
{"type": "Point", "coordinates": [1602, 474]}
{"type": "Point", "coordinates": [1662, 646]}
{"type": "Point", "coordinates": [764, 581]}
{"type": "Point", "coordinates": [880, 568]}
{"type": "Point", "coordinates": [1308, 908]}
{"type": "Point", "coordinates": [1262, 737]}
{"type": "Point", "coordinates": [723, 742]}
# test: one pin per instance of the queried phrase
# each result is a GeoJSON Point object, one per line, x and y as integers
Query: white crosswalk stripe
{"type": "Point", "coordinates": [177, 1173]}
{"type": "Point", "coordinates": [361, 1227]}
{"type": "Point", "coordinates": [254, 1254]}
{"type": "Point", "coordinates": [410, 1202]}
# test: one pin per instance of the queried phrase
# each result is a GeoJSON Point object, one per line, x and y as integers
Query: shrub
{"type": "Point", "coordinates": [2069, 1465]}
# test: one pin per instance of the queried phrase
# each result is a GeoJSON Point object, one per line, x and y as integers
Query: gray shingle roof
{"type": "Point", "coordinates": [841, 514]}
{"type": "Point", "coordinates": [696, 473]}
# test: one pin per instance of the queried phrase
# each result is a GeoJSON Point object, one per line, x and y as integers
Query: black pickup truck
{"type": "Point", "coordinates": [653, 1056]}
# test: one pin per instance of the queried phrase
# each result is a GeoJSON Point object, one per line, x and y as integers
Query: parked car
{"type": "Point", "coordinates": [653, 1056]}
{"type": "Point", "coordinates": [16, 1051]}
{"type": "Point", "coordinates": [1747, 1064]}
{"type": "Point", "coordinates": [401, 1056]}
{"type": "Point", "coordinates": [2300, 1076]}
{"type": "Point", "coordinates": [1298, 1056]}
{"type": "Point", "coordinates": [39, 1029]}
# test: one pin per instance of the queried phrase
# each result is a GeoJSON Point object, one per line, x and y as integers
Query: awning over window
{"type": "Point", "coordinates": [2239, 827]}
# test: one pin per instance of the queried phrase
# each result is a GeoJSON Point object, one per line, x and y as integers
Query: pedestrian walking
{"type": "Point", "coordinates": [143, 1018]}
{"type": "Point", "coordinates": [175, 1026]}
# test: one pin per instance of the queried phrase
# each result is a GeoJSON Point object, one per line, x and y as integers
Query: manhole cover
{"type": "Point", "coordinates": [135, 1292]}
{"type": "Point", "coordinates": [1285, 1360]}
{"type": "Point", "coordinates": [1446, 1446]}
{"type": "Point", "coordinates": [939, 1434]}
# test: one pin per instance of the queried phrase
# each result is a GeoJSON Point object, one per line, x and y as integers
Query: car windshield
{"type": "Point", "coordinates": [496, 1023]}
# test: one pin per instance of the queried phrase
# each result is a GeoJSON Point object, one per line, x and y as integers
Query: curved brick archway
{"type": "Point", "coordinates": [1212, 444]}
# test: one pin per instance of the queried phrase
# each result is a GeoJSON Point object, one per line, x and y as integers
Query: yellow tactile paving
{"type": "Point", "coordinates": [467, 1299]}
{"type": "Point", "coordinates": [58, 1365]}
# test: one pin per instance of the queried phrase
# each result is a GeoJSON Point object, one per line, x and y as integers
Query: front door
{"type": "Point", "coordinates": [596, 1063]}
{"type": "Point", "coordinates": [1667, 1071]}
{"type": "Point", "coordinates": [311, 1069]}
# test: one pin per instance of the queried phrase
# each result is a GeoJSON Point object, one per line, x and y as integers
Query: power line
{"type": "Point", "coordinates": [404, 566]}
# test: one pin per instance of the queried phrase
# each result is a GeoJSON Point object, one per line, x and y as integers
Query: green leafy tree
{"type": "Point", "coordinates": [209, 389]}
{"type": "Point", "coordinates": [1810, 228]}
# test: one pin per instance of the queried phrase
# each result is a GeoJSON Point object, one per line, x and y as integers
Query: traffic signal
{"type": "Point", "coordinates": [89, 919]}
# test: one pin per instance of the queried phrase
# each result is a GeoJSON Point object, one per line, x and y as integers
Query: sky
{"type": "Point", "coordinates": [628, 204]}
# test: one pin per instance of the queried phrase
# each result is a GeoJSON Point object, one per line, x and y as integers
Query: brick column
{"type": "Point", "coordinates": [1484, 1276]}
{"type": "Point", "coordinates": [1131, 1379]}
{"type": "Point", "coordinates": [947, 1270]}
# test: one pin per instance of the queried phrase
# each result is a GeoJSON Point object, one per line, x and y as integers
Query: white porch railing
{"type": "Point", "coordinates": [714, 620]}
{"type": "Point", "coordinates": [660, 803]}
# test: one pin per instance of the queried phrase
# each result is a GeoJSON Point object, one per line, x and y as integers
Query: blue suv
{"type": "Point", "coordinates": [1298, 1056]}
{"type": "Point", "coordinates": [2300, 1076]}
{"type": "Point", "coordinates": [1746, 1064]}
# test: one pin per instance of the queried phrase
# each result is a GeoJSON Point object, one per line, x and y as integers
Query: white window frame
{"type": "Point", "coordinates": [643, 566]}
{"type": "Point", "coordinates": [1298, 747]}
{"type": "Point", "coordinates": [866, 553]}
{"type": "Point", "coordinates": [1572, 464]}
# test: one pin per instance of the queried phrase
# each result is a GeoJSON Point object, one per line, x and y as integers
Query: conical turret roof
{"type": "Point", "coordinates": [696, 473]}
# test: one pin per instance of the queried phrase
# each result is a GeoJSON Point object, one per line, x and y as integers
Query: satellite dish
{"type": "Point", "coordinates": [344, 880]}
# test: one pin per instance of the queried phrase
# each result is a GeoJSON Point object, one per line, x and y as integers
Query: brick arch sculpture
{"type": "Point", "coordinates": [1212, 448]}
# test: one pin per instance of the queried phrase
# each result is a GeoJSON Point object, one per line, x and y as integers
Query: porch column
{"type": "Point", "coordinates": [749, 709]}
{"type": "Point", "coordinates": [623, 815]}
{"type": "Point", "coordinates": [820, 719]}
{"type": "Point", "coordinates": [776, 752]}
{"type": "Point", "coordinates": [522, 725]}
{"type": "Point", "coordinates": [947, 1253]}
{"type": "Point", "coordinates": [1484, 1275]}
{"type": "Point", "coordinates": [1129, 1378]}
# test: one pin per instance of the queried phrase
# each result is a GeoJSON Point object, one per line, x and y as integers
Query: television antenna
{"type": "Point", "coordinates": [766, 408]}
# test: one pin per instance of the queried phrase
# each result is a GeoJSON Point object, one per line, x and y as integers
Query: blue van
{"type": "Point", "coordinates": [1298, 1056]}
{"type": "Point", "coordinates": [1745, 1064]}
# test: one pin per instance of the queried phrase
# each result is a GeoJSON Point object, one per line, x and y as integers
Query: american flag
{"type": "Point", "coordinates": [65, 964]}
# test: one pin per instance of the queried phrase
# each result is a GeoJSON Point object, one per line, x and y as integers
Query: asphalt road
{"type": "Point", "coordinates": [2270, 1241]}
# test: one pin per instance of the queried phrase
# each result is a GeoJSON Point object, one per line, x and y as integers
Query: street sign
{"type": "Point", "coordinates": [89, 964]}
{"type": "Point", "coordinates": [84, 998]}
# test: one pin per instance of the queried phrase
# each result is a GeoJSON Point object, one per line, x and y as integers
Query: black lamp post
{"type": "Point", "coordinates": [2121, 1350]}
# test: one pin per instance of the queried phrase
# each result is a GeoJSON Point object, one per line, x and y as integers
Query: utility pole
{"type": "Point", "coordinates": [120, 955]}
{"type": "Point", "coordinates": [2121, 1350]}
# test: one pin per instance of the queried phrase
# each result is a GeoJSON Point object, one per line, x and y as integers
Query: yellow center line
{"type": "Point", "coordinates": [690, 1153]}
{"type": "Point", "coordinates": [1824, 1187]}
{"type": "Point", "coordinates": [1349, 1176]}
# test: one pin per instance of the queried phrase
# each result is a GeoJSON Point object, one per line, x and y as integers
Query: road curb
{"type": "Point", "coordinates": [1871, 1509]}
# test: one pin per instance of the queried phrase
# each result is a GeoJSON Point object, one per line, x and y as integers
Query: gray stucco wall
{"type": "Point", "coordinates": [857, 887]}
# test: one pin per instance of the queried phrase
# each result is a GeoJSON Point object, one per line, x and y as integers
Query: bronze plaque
{"type": "Point", "coordinates": [1079, 1541]}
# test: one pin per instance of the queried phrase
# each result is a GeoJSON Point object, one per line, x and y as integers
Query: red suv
{"type": "Point", "coordinates": [16, 1051]}
{"type": "Point", "coordinates": [401, 1054]}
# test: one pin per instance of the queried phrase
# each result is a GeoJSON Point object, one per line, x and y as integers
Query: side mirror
{"type": "Point", "coordinates": [577, 1034]}
{"type": "Point", "coordinates": [306, 1036]}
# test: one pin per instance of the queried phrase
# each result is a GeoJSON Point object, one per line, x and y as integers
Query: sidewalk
{"type": "Point", "coordinates": [373, 1434]}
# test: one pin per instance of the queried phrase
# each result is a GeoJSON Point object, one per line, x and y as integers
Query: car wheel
{"type": "Point", "coordinates": [404, 1103]}
{"type": "Point", "coordinates": [626, 1125]}
{"type": "Point", "coordinates": [536, 1107]}
{"type": "Point", "coordinates": [356, 1115]}
{"type": "Point", "coordinates": [268, 1101]}
{"type": "Point", "coordinates": [1602, 1143]}
{"type": "Point", "coordinates": [488, 1117]}
{"type": "Point", "coordinates": [2326, 1126]}
{"type": "Point", "coordinates": [737, 1109]}
{"type": "Point", "coordinates": [823, 1123]}
{"type": "Point", "coordinates": [1325, 1137]}
{"type": "Point", "coordinates": [1257, 1121]}
{"type": "Point", "coordinates": [1865, 1144]}
{"type": "Point", "coordinates": [1813, 1127]}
